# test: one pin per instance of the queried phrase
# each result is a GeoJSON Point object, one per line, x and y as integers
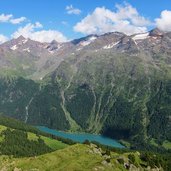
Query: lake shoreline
{"type": "Point", "coordinates": [82, 136]}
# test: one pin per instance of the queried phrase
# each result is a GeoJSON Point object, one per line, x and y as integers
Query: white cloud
{"type": "Point", "coordinates": [18, 20]}
{"type": "Point", "coordinates": [127, 12]}
{"type": "Point", "coordinates": [30, 31]}
{"type": "Point", "coordinates": [64, 23]}
{"type": "Point", "coordinates": [9, 18]}
{"type": "Point", "coordinates": [126, 19]}
{"type": "Point", "coordinates": [164, 22]}
{"type": "Point", "coordinates": [38, 25]}
{"type": "Point", "coordinates": [3, 38]}
{"type": "Point", "coordinates": [71, 10]}
{"type": "Point", "coordinates": [5, 18]}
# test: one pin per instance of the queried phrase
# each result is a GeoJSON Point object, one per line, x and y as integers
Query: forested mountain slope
{"type": "Point", "coordinates": [112, 84]}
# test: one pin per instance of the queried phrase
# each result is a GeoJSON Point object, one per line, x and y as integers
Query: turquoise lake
{"type": "Point", "coordinates": [81, 137]}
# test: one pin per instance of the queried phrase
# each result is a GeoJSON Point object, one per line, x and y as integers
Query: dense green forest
{"type": "Point", "coordinates": [108, 94]}
{"type": "Point", "coordinates": [16, 143]}
{"type": "Point", "coordinates": [19, 125]}
{"type": "Point", "coordinates": [137, 122]}
{"type": "Point", "coordinates": [19, 139]}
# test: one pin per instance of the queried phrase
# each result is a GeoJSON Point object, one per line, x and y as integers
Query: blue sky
{"type": "Point", "coordinates": [68, 19]}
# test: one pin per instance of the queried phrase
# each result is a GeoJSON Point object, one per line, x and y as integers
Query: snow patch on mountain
{"type": "Point", "coordinates": [78, 49]}
{"type": "Point", "coordinates": [24, 41]}
{"type": "Point", "coordinates": [87, 42]}
{"type": "Point", "coordinates": [27, 49]}
{"type": "Point", "coordinates": [141, 36]}
{"type": "Point", "coordinates": [110, 45]}
{"type": "Point", "coordinates": [14, 47]}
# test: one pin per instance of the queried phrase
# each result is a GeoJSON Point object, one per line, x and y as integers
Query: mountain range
{"type": "Point", "coordinates": [113, 84]}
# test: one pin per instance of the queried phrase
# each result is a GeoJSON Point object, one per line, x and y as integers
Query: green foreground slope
{"type": "Point", "coordinates": [81, 157]}
{"type": "Point", "coordinates": [19, 143]}
{"type": "Point", "coordinates": [20, 140]}
{"type": "Point", "coordinates": [24, 148]}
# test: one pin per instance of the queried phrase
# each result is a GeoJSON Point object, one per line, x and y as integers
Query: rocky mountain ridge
{"type": "Point", "coordinates": [36, 59]}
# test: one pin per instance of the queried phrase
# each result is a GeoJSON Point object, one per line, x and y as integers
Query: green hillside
{"type": "Point", "coordinates": [81, 157]}
{"type": "Point", "coordinates": [118, 95]}
{"type": "Point", "coordinates": [20, 140]}
{"type": "Point", "coordinates": [24, 148]}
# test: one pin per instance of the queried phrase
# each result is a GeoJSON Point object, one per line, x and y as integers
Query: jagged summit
{"type": "Point", "coordinates": [115, 41]}
{"type": "Point", "coordinates": [77, 41]}
{"type": "Point", "coordinates": [156, 32]}
{"type": "Point", "coordinates": [53, 42]}
{"type": "Point", "coordinates": [104, 41]}
{"type": "Point", "coordinates": [20, 38]}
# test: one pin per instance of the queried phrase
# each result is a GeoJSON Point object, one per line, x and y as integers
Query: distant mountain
{"type": "Point", "coordinates": [32, 59]}
{"type": "Point", "coordinates": [113, 84]}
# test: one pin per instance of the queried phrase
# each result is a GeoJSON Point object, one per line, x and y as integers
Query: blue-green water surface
{"type": "Point", "coordinates": [81, 137]}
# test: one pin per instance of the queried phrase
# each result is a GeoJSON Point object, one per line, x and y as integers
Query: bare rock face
{"type": "Point", "coordinates": [38, 59]}
{"type": "Point", "coordinates": [156, 33]}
